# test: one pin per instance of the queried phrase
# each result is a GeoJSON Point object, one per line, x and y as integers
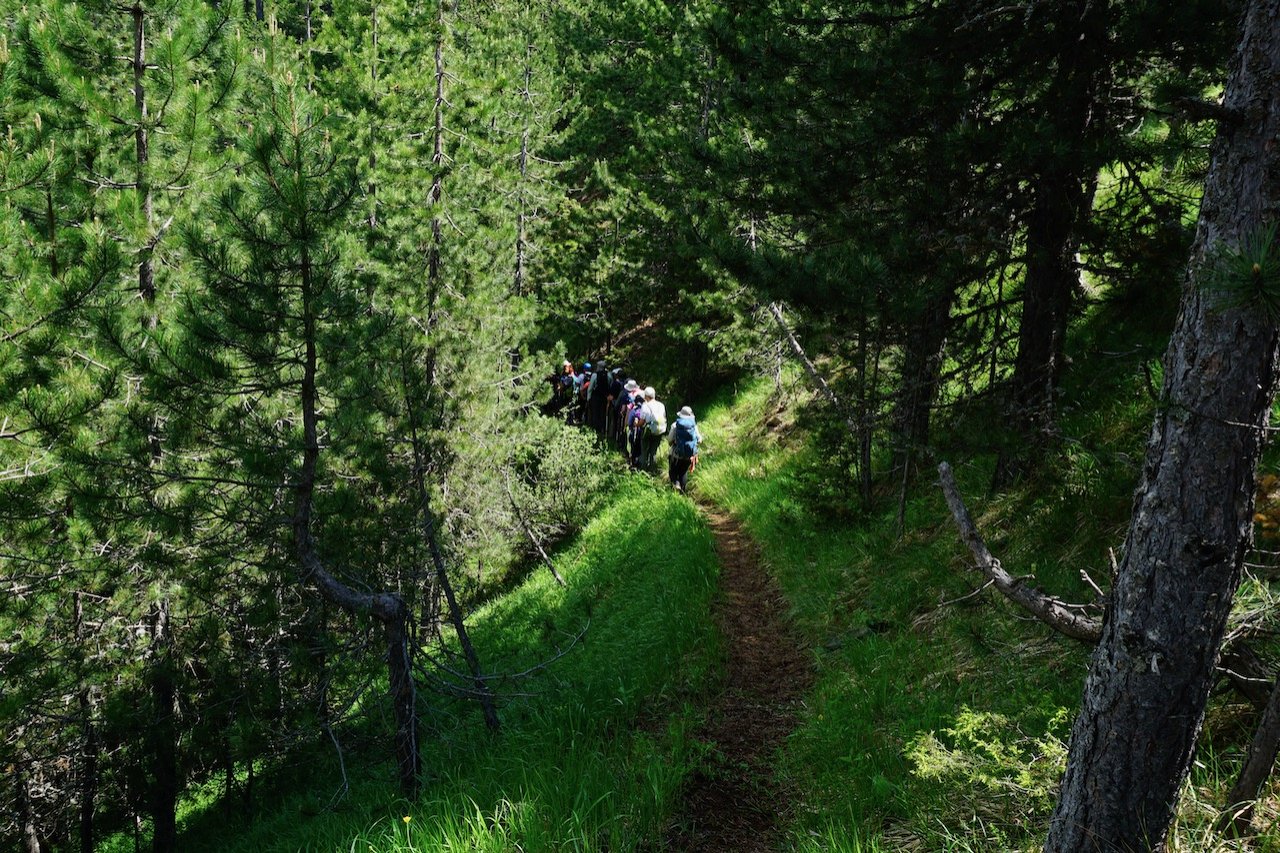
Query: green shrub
{"type": "Point", "coordinates": [986, 772]}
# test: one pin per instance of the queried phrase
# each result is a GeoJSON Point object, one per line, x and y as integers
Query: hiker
{"type": "Point", "coordinates": [577, 412]}
{"type": "Point", "coordinates": [627, 399]}
{"type": "Point", "coordinates": [654, 413]}
{"type": "Point", "coordinates": [612, 405]}
{"type": "Point", "coordinates": [597, 394]}
{"type": "Point", "coordinates": [683, 456]}
{"type": "Point", "coordinates": [635, 428]}
{"type": "Point", "coordinates": [562, 387]}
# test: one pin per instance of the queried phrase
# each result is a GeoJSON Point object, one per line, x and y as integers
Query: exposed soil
{"type": "Point", "coordinates": [736, 803]}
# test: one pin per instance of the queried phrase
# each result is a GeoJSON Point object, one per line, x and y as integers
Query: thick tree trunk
{"type": "Point", "coordinates": [1144, 700]}
{"type": "Point", "coordinates": [1062, 198]}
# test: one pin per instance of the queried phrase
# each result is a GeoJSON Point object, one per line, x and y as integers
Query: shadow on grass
{"type": "Point", "coordinates": [594, 748]}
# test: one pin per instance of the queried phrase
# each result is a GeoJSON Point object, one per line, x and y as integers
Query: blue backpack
{"type": "Point", "coordinates": [685, 440]}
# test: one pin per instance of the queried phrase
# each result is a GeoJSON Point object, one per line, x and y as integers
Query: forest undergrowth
{"type": "Point", "coordinates": [940, 717]}
{"type": "Point", "coordinates": [595, 747]}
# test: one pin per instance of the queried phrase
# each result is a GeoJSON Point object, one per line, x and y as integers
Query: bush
{"type": "Point", "coordinates": [1016, 776]}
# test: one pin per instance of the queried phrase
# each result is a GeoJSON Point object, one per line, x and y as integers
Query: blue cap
{"type": "Point", "coordinates": [586, 365]}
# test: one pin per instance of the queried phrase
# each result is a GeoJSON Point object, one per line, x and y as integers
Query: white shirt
{"type": "Point", "coordinates": [654, 412]}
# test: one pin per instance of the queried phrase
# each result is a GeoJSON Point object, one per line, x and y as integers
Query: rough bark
{"type": "Point", "coordinates": [1144, 699]}
{"type": "Point", "coordinates": [1257, 767]}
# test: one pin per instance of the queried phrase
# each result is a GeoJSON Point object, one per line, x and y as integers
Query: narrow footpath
{"type": "Point", "coordinates": [735, 802]}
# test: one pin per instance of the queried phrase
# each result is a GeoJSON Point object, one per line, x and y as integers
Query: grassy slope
{"type": "Point", "coordinates": [938, 728]}
{"type": "Point", "coordinates": [593, 758]}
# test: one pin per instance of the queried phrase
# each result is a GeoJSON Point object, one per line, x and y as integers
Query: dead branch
{"type": "Point", "coordinates": [1198, 109]}
{"type": "Point", "coordinates": [1097, 590]}
{"type": "Point", "coordinates": [776, 310]}
{"type": "Point", "coordinates": [967, 596]}
{"type": "Point", "coordinates": [1054, 612]}
{"type": "Point", "coordinates": [1238, 663]}
{"type": "Point", "coordinates": [528, 531]}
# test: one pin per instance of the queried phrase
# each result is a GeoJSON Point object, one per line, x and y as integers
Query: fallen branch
{"type": "Point", "coordinates": [776, 310]}
{"type": "Point", "coordinates": [528, 531]}
{"type": "Point", "coordinates": [1238, 663]}
{"type": "Point", "coordinates": [1054, 612]}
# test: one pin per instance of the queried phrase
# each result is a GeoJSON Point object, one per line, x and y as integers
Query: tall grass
{"type": "Point", "coordinates": [595, 747]}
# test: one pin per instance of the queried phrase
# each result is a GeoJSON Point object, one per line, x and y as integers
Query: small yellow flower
{"type": "Point", "coordinates": [407, 818]}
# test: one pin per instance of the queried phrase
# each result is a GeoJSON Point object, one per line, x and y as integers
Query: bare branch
{"type": "Point", "coordinates": [1054, 612]}
{"type": "Point", "coordinates": [1201, 110]}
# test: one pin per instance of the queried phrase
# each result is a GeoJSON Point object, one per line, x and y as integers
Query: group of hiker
{"type": "Point", "coordinates": [626, 416]}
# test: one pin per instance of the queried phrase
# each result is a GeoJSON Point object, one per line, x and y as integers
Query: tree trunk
{"type": "Point", "coordinates": [373, 126]}
{"type": "Point", "coordinates": [921, 372]}
{"type": "Point", "coordinates": [88, 772]}
{"type": "Point", "coordinates": [163, 735]}
{"type": "Point", "coordinates": [142, 156]}
{"type": "Point", "coordinates": [22, 802]}
{"type": "Point", "coordinates": [436, 193]}
{"type": "Point", "coordinates": [1257, 767]}
{"type": "Point", "coordinates": [1145, 696]}
{"type": "Point", "coordinates": [386, 607]}
{"type": "Point", "coordinates": [482, 692]}
{"type": "Point", "coordinates": [88, 782]}
{"type": "Point", "coordinates": [522, 202]}
{"type": "Point", "coordinates": [1062, 199]}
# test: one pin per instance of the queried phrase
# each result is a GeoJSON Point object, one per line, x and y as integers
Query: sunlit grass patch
{"type": "Point", "coordinates": [595, 747]}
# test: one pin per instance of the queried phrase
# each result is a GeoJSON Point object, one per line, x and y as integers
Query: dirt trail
{"type": "Point", "coordinates": [735, 803]}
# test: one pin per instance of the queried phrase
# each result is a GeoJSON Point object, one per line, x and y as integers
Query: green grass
{"type": "Point", "coordinates": [933, 728]}
{"type": "Point", "coordinates": [930, 727]}
{"type": "Point", "coordinates": [592, 758]}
